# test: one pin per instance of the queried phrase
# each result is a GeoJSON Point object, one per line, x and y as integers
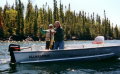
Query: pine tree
{"type": "Point", "coordinates": [61, 17]}
{"type": "Point", "coordinates": [50, 18]}
{"type": "Point", "coordinates": [35, 21]}
{"type": "Point", "coordinates": [20, 18]}
{"type": "Point", "coordinates": [55, 11]}
{"type": "Point", "coordinates": [116, 32]}
{"type": "Point", "coordinates": [29, 19]}
{"type": "Point", "coordinates": [98, 23]}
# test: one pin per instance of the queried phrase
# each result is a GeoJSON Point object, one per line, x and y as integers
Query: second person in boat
{"type": "Point", "coordinates": [58, 36]}
{"type": "Point", "coordinates": [49, 36]}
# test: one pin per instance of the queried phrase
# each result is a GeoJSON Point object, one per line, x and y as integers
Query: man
{"type": "Point", "coordinates": [58, 36]}
{"type": "Point", "coordinates": [49, 36]}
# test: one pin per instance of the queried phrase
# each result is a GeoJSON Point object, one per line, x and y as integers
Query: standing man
{"type": "Point", "coordinates": [49, 36]}
{"type": "Point", "coordinates": [58, 36]}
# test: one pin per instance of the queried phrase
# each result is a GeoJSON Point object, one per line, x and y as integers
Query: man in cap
{"type": "Point", "coordinates": [49, 36]}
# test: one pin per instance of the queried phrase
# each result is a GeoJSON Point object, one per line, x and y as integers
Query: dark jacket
{"type": "Point", "coordinates": [59, 35]}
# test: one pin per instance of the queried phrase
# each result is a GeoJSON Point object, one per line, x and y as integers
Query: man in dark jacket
{"type": "Point", "coordinates": [58, 36]}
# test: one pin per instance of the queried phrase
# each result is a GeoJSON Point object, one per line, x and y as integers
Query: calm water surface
{"type": "Point", "coordinates": [94, 67]}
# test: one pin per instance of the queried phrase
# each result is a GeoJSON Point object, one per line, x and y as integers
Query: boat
{"type": "Point", "coordinates": [97, 50]}
{"type": "Point", "coordinates": [81, 53]}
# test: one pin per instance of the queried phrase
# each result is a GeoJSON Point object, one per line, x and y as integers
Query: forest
{"type": "Point", "coordinates": [19, 22]}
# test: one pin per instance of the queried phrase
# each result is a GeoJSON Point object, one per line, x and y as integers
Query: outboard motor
{"type": "Point", "coordinates": [13, 47]}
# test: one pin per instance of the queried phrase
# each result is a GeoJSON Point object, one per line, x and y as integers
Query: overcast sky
{"type": "Point", "coordinates": [96, 6]}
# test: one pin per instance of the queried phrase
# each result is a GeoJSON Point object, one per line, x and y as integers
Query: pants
{"type": "Point", "coordinates": [48, 45]}
{"type": "Point", "coordinates": [59, 45]}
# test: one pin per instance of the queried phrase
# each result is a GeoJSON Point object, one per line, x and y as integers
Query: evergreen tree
{"type": "Point", "coordinates": [20, 18]}
{"type": "Point", "coordinates": [116, 32]}
{"type": "Point", "coordinates": [29, 19]}
{"type": "Point", "coordinates": [61, 17]}
{"type": "Point", "coordinates": [55, 11]}
{"type": "Point", "coordinates": [50, 18]}
{"type": "Point", "coordinates": [35, 21]}
{"type": "Point", "coordinates": [98, 23]}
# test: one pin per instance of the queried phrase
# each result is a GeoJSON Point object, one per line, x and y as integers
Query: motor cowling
{"type": "Point", "coordinates": [14, 47]}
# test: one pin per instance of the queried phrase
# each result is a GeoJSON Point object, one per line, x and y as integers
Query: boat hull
{"type": "Point", "coordinates": [84, 54]}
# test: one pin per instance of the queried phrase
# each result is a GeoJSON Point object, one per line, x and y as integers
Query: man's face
{"type": "Point", "coordinates": [57, 25]}
{"type": "Point", "coordinates": [50, 27]}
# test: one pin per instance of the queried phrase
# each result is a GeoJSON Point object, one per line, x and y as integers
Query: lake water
{"type": "Point", "coordinates": [93, 67]}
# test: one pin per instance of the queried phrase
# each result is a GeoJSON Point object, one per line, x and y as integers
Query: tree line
{"type": "Point", "coordinates": [14, 21]}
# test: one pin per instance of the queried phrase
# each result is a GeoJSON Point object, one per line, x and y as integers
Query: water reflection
{"type": "Point", "coordinates": [67, 67]}
{"type": "Point", "coordinates": [12, 68]}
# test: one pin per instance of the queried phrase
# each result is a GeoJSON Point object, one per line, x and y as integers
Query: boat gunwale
{"type": "Point", "coordinates": [64, 49]}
